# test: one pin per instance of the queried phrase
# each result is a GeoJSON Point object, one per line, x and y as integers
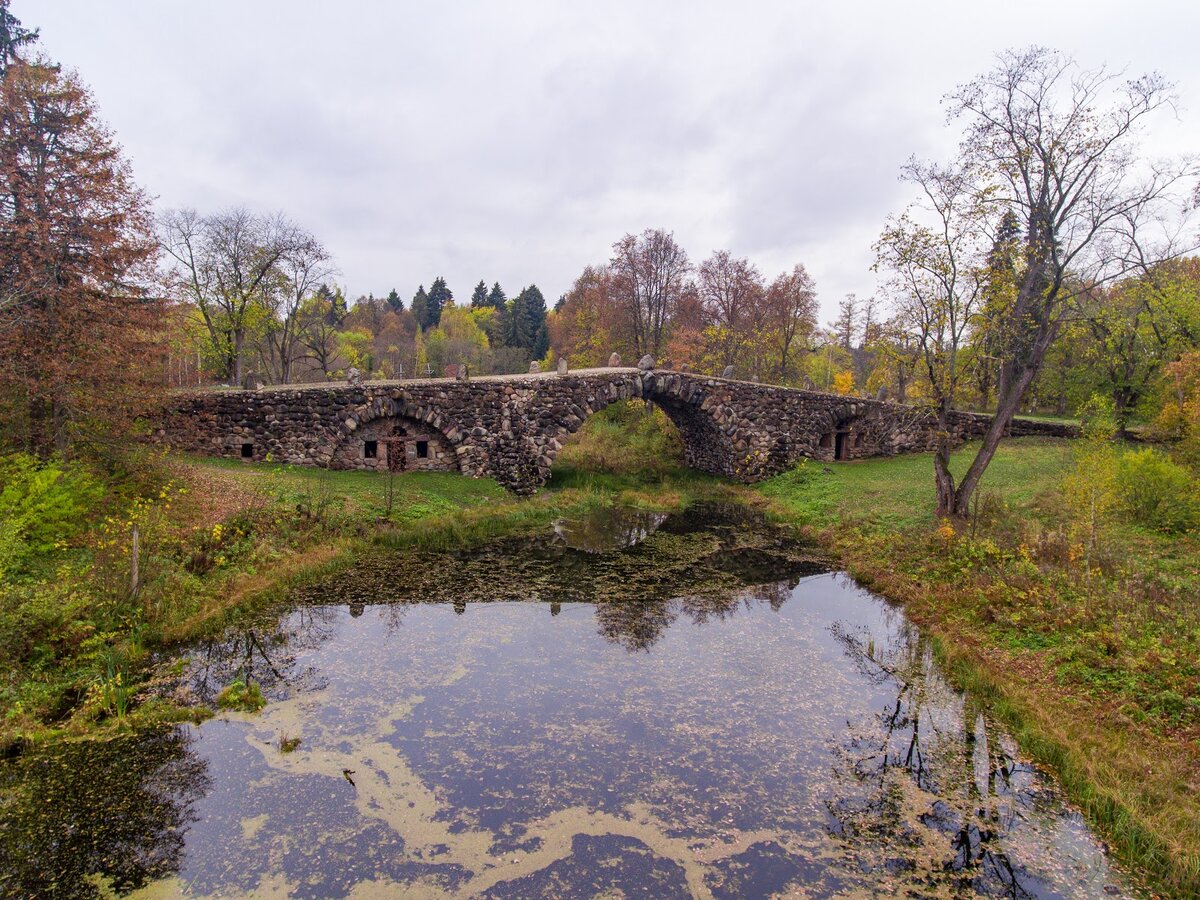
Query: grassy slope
{"type": "Point", "coordinates": [1095, 672]}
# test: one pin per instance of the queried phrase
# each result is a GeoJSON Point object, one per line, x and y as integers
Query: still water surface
{"type": "Point", "coordinates": [633, 705]}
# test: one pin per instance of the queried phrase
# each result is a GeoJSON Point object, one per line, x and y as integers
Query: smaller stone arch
{"type": "Point", "coordinates": [850, 433]}
{"type": "Point", "coordinates": [390, 434]}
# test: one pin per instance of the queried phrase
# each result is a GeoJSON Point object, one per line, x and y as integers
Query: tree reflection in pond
{"type": "Point", "coordinates": [119, 807]}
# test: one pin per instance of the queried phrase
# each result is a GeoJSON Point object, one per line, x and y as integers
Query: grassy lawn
{"type": "Point", "coordinates": [898, 492]}
{"type": "Point", "coordinates": [414, 495]}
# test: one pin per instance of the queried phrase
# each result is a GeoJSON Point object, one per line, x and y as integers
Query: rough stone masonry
{"type": "Point", "coordinates": [511, 427]}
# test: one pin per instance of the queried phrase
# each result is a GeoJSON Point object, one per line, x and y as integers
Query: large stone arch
{"type": "Point", "coordinates": [426, 437]}
{"type": "Point", "coordinates": [712, 439]}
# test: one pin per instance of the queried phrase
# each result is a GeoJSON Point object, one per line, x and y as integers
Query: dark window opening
{"type": "Point", "coordinates": [370, 449]}
{"type": "Point", "coordinates": [422, 449]}
{"type": "Point", "coordinates": [247, 451]}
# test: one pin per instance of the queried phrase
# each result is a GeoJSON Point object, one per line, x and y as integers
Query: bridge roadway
{"type": "Point", "coordinates": [511, 427]}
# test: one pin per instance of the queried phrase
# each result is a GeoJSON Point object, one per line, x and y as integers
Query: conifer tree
{"type": "Point", "coordinates": [395, 304]}
{"type": "Point", "coordinates": [420, 307]}
{"type": "Point", "coordinates": [479, 297]}
{"type": "Point", "coordinates": [496, 298]}
{"type": "Point", "coordinates": [439, 296]}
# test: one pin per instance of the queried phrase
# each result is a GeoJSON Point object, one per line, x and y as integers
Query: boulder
{"type": "Point", "coordinates": [562, 365]}
{"type": "Point", "coordinates": [646, 363]}
{"type": "Point", "coordinates": [614, 361]}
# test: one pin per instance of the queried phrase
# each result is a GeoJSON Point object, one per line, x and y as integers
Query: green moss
{"type": "Point", "coordinates": [241, 696]}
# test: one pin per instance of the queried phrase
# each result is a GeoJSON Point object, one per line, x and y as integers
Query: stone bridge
{"type": "Point", "coordinates": [511, 427]}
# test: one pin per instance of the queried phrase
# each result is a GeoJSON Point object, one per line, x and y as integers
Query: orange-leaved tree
{"type": "Point", "coordinates": [78, 350]}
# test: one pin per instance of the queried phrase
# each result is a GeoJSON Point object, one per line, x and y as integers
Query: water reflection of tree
{"type": "Point", "coordinates": [266, 655]}
{"type": "Point", "coordinates": [119, 808]}
{"type": "Point", "coordinates": [638, 625]}
{"type": "Point", "coordinates": [940, 741]}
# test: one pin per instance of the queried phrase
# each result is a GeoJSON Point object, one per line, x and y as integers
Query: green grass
{"type": "Point", "coordinates": [415, 495]}
{"type": "Point", "coordinates": [898, 492]}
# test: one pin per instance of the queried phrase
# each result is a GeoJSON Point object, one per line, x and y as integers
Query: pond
{"type": "Point", "coordinates": [636, 704]}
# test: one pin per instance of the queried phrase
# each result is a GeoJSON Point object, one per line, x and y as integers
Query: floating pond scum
{"type": "Point", "coordinates": [660, 706]}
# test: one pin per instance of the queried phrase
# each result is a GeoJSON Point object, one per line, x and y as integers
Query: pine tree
{"type": "Point", "coordinates": [496, 298]}
{"type": "Point", "coordinates": [394, 302]}
{"type": "Point", "coordinates": [439, 296]}
{"type": "Point", "coordinates": [420, 307]}
{"type": "Point", "coordinates": [479, 297]}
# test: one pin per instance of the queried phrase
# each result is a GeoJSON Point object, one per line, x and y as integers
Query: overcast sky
{"type": "Point", "coordinates": [517, 141]}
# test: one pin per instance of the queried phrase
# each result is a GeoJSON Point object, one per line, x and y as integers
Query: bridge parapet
{"type": "Point", "coordinates": [511, 428]}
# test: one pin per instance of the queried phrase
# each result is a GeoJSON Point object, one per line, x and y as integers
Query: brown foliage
{"type": "Point", "coordinates": [78, 355]}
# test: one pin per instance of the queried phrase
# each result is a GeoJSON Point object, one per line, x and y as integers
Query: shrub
{"type": "Point", "coordinates": [41, 506]}
{"type": "Point", "coordinates": [1155, 492]}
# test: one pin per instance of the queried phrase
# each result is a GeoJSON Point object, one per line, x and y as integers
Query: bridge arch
{"type": "Point", "coordinates": [712, 440]}
{"type": "Point", "coordinates": [394, 434]}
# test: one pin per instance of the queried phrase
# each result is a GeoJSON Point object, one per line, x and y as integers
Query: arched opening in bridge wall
{"type": "Point", "coordinates": [848, 436]}
{"type": "Point", "coordinates": [396, 444]}
{"type": "Point", "coordinates": [708, 433]}
{"type": "Point", "coordinates": [625, 437]}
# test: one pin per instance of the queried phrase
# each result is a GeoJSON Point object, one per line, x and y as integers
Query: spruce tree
{"type": "Point", "coordinates": [420, 307]}
{"type": "Point", "coordinates": [515, 323]}
{"type": "Point", "coordinates": [394, 302]}
{"type": "Point", "coordinates": [479, 297]}
{"type": "Point", "coordinates": [12, 37]}
{"type": "Point", "coordinates": [535, 316]}
{"type": "Point", "coordinates": [439, 296]}
{"type": "Point", "coordinates": [496, 298]}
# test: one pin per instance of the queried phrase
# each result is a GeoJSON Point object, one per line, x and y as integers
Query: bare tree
{"type": "Point", "coordinates": [223, 264]}
{"type": "Point", "coordinates": [1055, 145]}
{"type": "Point", "coordinates": [650, 273]}
{"type": "Point", "coordinates": [936, 253]}
{"type": "Point", "coordinates": [301, 269]}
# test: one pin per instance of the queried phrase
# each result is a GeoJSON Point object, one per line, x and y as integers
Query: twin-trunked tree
{"type": "Point", "coordinates": [1047, 199]}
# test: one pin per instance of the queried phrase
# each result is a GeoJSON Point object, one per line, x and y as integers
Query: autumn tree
{"type": "Point", "coordinates": [78, 350]}
{"type": "Point", "coordinates": [791, 309]}
{"type": "Point", "coordinates": [650, 272]}
{"type": "Point", "coordinates": [732, 290]}
{"type": "Point", "coordinates": [300, 270]}
{"type": "Point", "coordinates": [1055, 145]}
{"type": "Point", "coordinates": [934, 254]}
{"type": "Point", "coordinates": [322, 315]}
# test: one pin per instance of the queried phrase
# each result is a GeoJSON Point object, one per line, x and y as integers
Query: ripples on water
{"type": "Point", "coordinates": [690, 708]}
